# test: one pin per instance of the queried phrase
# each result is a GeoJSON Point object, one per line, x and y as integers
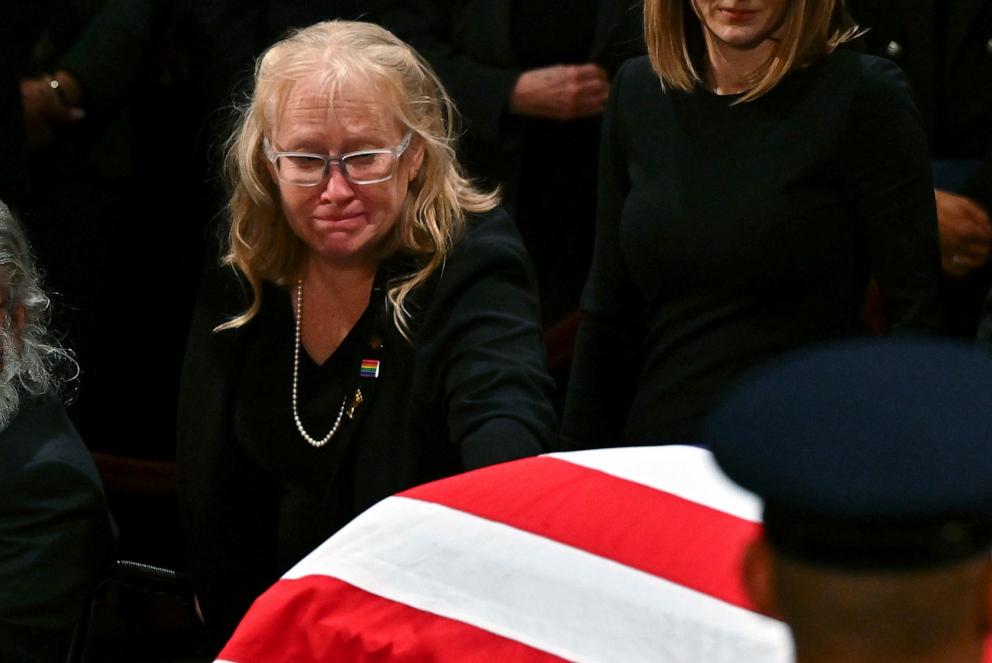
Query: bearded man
{"type": "Point", "coordinates": [56, 534]}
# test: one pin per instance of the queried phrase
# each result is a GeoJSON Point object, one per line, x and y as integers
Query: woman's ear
{"type": "Point", "coordinates": [416, 152]}
{"type": "Point", "coordinates": [759, 577]}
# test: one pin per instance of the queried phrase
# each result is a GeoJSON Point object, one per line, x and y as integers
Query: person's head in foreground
{"type": "Point", "coordinates": [873, 460]}
{"type": "Point", "coordinates": [32, 364]}
{"type": "Point", "coordinates": [345, 156]}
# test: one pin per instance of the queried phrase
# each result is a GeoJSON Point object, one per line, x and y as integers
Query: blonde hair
{"type": "Point", "coordinates": [337, 54]}
{"type": "Point", "coordinates": [811, 29]}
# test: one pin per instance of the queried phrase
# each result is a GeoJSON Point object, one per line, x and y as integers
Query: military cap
{"type": "Point", "coordinates": [869, 453]}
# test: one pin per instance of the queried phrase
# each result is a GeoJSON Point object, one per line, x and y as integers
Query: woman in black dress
{"type": "Point", "coordinates": [754, 175]}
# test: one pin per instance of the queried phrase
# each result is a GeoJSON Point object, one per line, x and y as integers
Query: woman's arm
{"type": "Point", "coordinates": [226, 503]}
{"type": "Point", "coordinates": [887, 174]}
{"type": "Point", "coordinates": [481, 340]}
{"type": "Point", "coordinates": [602, 381]}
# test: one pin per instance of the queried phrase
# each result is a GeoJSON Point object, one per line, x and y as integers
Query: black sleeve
{"type": "Point", "coordinates": [985, 324]}
{"type": "Point", "coordinates": [108, 56]}
{"type": "Point", "coordinates": [226, 503]}
{"type": "Point", "coordinates": [891, 191]}
{"type": "Point", "coordinates": [21, 23]}
{"type": "Point", "coordinates": [56, 542]}
{"type": "Point", "coordinates": [480, 91]}
{"type": "Point", "coordinates": [979, 187]}
{"type": "Point", "coordinates": [612, 330]}
{"type": "Point", "coordinates": [482, 336]}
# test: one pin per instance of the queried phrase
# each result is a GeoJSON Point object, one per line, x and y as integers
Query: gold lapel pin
{"type": "Point", "coordinates": [356, 400]}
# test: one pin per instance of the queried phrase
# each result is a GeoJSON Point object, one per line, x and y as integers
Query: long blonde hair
{"type": "Point", "coordinates": [673, 34]}
{"type": "Point", "coordinates": [337, 54]}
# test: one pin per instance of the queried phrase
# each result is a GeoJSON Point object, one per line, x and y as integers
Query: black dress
{"type": "Point", "coordinates": [469, 391]}
{"type": "Point", "coordinates": [729, 234]}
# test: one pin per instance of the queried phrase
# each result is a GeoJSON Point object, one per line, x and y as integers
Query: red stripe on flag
{"type": "Point", "coordinates": [663, 534]}
{"type": "Point", "coordinates": [319, 618]}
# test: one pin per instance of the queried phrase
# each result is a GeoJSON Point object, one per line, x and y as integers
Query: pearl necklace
{"type": "Point", "coordinates": [296, 373]}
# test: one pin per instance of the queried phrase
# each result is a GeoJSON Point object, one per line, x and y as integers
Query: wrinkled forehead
{"type": "Point", "coordinates": [331, 99]}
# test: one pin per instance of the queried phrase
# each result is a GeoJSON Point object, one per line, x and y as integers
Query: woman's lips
{"type": "Point", "coordinates": [338, 217]}
{"type": "Point", "coordinates": [339, 221]}
{"type": "Point", "coordinates": [739, 13]}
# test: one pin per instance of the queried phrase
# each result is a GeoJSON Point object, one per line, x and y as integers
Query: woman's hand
{"type": "Point", "coordinates": [965, 233]}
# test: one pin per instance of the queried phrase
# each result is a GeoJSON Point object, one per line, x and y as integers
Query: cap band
{"type": "Point", "coordinates": [876, 543]}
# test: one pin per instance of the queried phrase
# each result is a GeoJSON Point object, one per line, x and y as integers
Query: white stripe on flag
{"type": "Point", "coordinates": [689, 472]}
{"type": "Point", "coordinates": [547, 595]}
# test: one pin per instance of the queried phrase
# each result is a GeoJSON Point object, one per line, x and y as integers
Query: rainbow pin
{"type": "Point", "coordinates": [370, 368]}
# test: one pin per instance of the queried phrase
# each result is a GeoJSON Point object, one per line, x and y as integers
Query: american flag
{"type": "Point", "coordinates": [609, 555]}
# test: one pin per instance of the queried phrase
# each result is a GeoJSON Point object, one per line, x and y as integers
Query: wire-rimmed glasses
{"type": "Point", "coordinates": [361, 167]}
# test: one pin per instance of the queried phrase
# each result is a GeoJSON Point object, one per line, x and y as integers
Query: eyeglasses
{"type": "Point", "coordinates": [362, 167]}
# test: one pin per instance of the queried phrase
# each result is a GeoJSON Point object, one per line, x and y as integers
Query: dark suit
{"type": "Point", "coordinates": [546, 168]}
{"type": "Point", "coordinates": [56, 535]}
{"type": "Point", "coordinates": [469, 43]}
{"type": "Point", "coordinates": [470, 391]}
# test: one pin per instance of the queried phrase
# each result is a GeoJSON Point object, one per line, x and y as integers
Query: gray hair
{"type": "Point", "coordinates": [33, 363]}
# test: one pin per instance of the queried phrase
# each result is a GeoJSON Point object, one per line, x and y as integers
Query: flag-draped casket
{"type": "Point", "coordinates": [609, 555]}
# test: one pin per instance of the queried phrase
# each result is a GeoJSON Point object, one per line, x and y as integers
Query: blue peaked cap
{"type": "Point", "coordinates": [873, 453]}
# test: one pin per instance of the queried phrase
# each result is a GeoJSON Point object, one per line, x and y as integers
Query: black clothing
{"type": "Point", "coordinates": [729, 234]}
{"type": "Point", "coordinates": [985, 325]}
{"type": "Point", "coordinates": [56, 535]}
{"type": "Point", "coordinates": [470, 391]}
{"type": "Point", "coordinates": [470, 45]}
{"type": "Point", "coordinates": [948, 72]}
{"type": "Point", "coordinates": [260, 418]}
{"type": "Point", "coordinates": [548, 33]}
{"type": "Point", "coordinates": [545, 167]}
{"type": "Point", "coordinates": [945, 50]}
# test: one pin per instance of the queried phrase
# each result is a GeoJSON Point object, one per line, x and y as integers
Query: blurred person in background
{"type": "Point", "coordinates": [945, 50]}
{"type": "Point", "coordinates": [530, 80]}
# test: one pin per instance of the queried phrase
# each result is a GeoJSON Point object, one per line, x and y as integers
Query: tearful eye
{"type": "Point", "coordinates": [370, 166]}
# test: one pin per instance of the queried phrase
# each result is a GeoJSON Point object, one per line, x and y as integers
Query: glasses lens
{"type": "Point", "coordinates": [300, 169]}
{"type": "Point", "coordinates": [365, 167]}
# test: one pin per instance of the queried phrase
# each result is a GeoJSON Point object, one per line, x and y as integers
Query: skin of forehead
{"type": "Point", "coordinates": [358, 113]}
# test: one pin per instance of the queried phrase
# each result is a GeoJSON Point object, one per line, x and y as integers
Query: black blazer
{"type": "Point", "coordinates": [470, 391]}
{"type": "Point", "coordinates": [56, 534]}
{"type": "Point", "coordinates": [468, 42]}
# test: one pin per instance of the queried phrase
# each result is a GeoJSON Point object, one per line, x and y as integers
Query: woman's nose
{"type": "Point", "coordinates": [337, 186]}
